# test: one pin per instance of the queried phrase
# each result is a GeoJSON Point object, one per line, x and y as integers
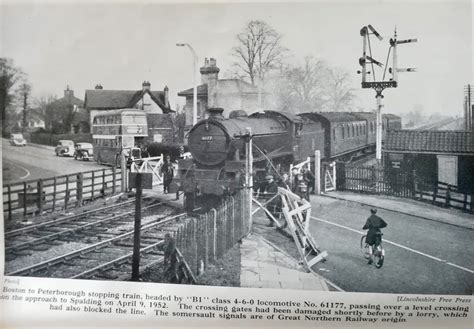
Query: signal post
{"type": "Point", "coordinates": [380, 85]}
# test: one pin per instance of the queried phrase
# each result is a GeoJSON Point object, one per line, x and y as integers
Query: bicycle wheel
{"type": "Point", "coordinates": [364, 247]}
{"type": "Point", "coordinates": [379, 255]}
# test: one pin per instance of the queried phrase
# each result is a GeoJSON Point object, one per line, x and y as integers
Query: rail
{"type": "Point", "coordinates": [60, 192]}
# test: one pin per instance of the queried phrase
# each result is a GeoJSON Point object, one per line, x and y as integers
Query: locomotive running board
{"type": "Point", "coordinates": [297, 213]}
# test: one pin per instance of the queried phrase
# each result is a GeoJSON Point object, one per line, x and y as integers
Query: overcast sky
{"type": "Point", "coordinates": [121, 45]}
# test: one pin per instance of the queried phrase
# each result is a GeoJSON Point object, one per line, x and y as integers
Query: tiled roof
{"type": "Point", "coordinates": [67, 101]}
{"type": "Point", "coordinates": [101, 99]}
{"type": "Point", "coordinates": [430, 141]}
{"type": "Point", "coordinates": [201, 90]}
{"type": "Point", "coordinates": [224, 86]}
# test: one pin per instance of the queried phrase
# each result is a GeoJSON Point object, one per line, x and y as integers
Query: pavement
{"type": "Point", "coordinates": [405, 206]}
{"type": "Point", "coordinates": [264, 265]}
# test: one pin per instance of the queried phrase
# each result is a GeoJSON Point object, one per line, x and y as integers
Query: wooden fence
{"type": "Point", "coordinates": [444, 194]}
{"type": "Point", "coordinates": [207, 238]}
{"type": "Point", "coordinates": [61, 192]}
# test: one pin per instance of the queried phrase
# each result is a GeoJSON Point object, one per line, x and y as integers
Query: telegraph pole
{"type": "Point", "coordinates": [380, 85]}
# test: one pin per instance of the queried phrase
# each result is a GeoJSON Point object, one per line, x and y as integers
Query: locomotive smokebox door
{"type": "Point", "coordinates": [147, 180]}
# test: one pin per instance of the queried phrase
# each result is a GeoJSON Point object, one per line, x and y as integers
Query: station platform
{"type": "Point", "coordinates": [405, 206]}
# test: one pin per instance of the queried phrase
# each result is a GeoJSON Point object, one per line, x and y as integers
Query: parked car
{"type": "Point", "coordinates": [84, 151]}
{"type": "Point", "coordinates": [17, 140]}
{"type": "Point", "coordinates": [65, 147]}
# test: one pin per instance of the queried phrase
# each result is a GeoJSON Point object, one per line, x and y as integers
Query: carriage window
{"type": "Point", "coordinates": [298, 127]}
{"type": "Point", "coordinates": [342, 128]}
{"type": "Point", "coordinates": [353, 130]}
{"type": "Point", "coordinates": [334, 133]}
{"type": "Point", "coordinates": [383, 125]}
{"type": "Point", "coordinates": [357, 130]}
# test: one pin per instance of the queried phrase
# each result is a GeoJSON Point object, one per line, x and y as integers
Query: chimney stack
{"type": "Point", "coordinates": [166, 96]}
{"type": "Point", "coordinates": [146, 85]}
{"type": "Point", "coordinates": [68, 92]}
{"type": "Point", "coordinates": [98, 86]}
{"type": "Point", "coordinates": [209, 76]}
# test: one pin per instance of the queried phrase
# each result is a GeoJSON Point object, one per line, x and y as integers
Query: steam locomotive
{"type": "Point", "coordinates": [217, 145]}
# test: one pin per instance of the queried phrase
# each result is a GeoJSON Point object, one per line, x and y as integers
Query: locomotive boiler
{"type": "Point", "coordinates": [217, 145]}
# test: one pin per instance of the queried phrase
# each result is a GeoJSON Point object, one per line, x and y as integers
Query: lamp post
{"type": "Point", "coordinates": [195, 60]}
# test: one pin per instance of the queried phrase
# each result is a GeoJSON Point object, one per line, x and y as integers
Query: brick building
{"type": "Point", "coordinates": [67, 114]}
{"type": "Point", "coordinates": [155, 103]}
{"type": "Point", "coordinates": [229, 94]}
{"type": "Point", "coordinates": [443, 156]}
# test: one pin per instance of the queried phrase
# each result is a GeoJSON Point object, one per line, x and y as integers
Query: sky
{"type": "Point", "coordinates": [121, 44]}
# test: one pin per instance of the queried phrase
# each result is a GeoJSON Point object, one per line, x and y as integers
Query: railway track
{"type": "Point", "coordinates": [108, 259]}
{"type": "Point", "coordinates": [84, 228]}
{"type": "Point", "coordinates": [15, 227]}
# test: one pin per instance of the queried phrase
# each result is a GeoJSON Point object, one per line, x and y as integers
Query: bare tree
{"type": "Point", "coordinates": [339, 93]}
{"type": "Point", "coordinates": [300, 88]}
{"type": "Point", "coordinates": [259, 50]}
{"type": "Point", "coordinates": [10, 76]}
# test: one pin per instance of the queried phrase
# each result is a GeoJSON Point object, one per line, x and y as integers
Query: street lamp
{"type": "Point", "coordinates": [195, 60]}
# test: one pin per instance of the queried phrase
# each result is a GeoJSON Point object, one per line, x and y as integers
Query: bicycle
{"type": "Point", "coordinates": [378, 252]}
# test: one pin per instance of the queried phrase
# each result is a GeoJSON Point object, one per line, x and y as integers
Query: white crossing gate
{"type": "Point", "coordinates": [330, 177]}
{"type": "Point", "coordinates": [149, 165]}
{"type": "Point", "coordinates": [297, 212]}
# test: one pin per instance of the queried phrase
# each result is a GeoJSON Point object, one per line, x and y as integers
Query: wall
{"type": "Point", "coordinates": [161, 128]}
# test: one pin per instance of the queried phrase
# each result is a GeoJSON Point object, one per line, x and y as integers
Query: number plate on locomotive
{"type": "Point", "coordinates": [206, 138]}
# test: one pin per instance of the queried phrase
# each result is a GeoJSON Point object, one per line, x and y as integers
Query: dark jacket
{"type": "Point", "coordinates": [374, 223]}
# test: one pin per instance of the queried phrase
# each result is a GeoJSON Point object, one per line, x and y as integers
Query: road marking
{"type": "Point", "coordinates": [398, 245]}
{"type": "Point", "coordinates": [15, 165]}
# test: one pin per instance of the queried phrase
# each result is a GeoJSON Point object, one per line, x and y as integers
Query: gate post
{"type": "Point", "coordinates": [79, 185]}
{"type": "Point", "coordinates": [40, 196]}
{"type": "Point", "coordinates": [317, 172]}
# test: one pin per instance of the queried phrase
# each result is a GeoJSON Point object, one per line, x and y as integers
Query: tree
{"type": "Point", "coordinates": [306, 84]}
{"type": "Point", "coordinates": [338, 90]}
{"type": "Point", "coordinates": [10, 76]}
{"type": "Point", "coordinates": [259, 50]}
{"type": "Point", "coordinates": [24, 93]}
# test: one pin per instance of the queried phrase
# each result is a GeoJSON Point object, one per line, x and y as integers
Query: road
{"type": "Point", "coordinates": [422, 256]}
{"type": "Point", "coordinates": [38, 161]}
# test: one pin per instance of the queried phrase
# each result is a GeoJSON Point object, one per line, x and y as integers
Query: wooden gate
{"type": "Point", "coordinates": [330, 177]}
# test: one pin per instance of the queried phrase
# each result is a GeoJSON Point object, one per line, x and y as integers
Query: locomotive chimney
{"type": "Point", "coordinates": [215, 113]}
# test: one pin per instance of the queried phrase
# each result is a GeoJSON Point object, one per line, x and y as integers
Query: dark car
{"type": "Point", "coordinates": [65, 147]}
{"type": "Point", "coordinates": [84, 151]}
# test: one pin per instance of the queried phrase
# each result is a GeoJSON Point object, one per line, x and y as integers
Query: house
{"type": "Point", "coordinates": [229, 94]}
{"type": "Point", "coordinates": [154, 103]}
{"type": "Point", "coordinates": [443, 156]}
{"type": "Point", "coordinates": [61, 115]}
